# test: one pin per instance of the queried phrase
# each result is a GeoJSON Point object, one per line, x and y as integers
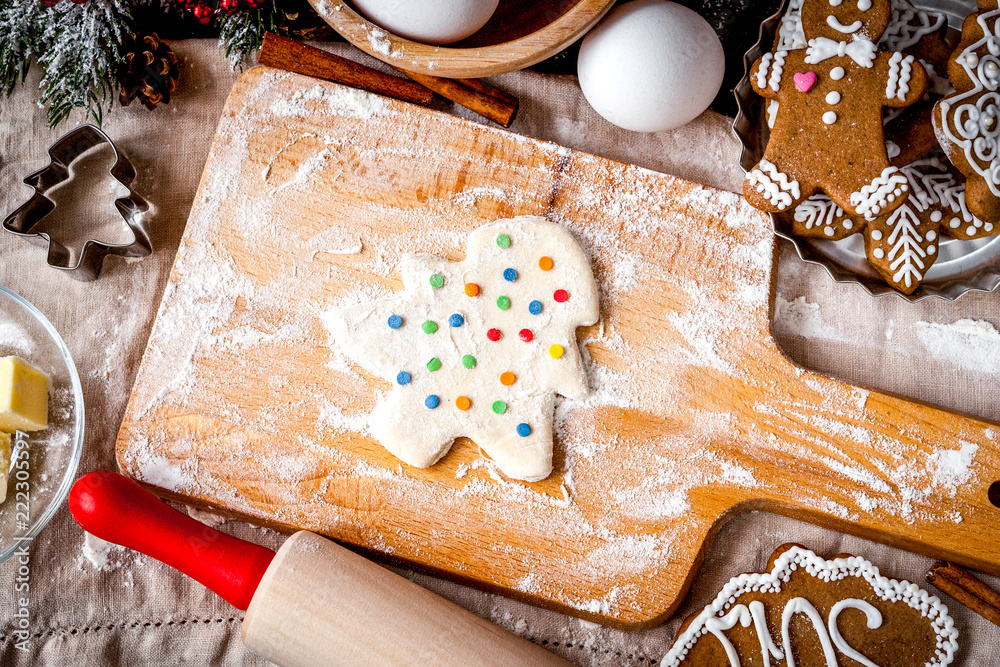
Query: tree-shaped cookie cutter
{"type": "Point", "coordinates": [27, 216]}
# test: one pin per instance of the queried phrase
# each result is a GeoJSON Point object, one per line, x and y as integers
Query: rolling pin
{"type": "Point", "coordinates": [311, 603]}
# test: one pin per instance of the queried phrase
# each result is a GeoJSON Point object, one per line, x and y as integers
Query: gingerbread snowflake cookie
{"type": "Point", "coordinates": [478, 348]}
{"type": "Point", "coordinates": [827, 131]}
{"type": "Point", "coordinates": [808, 610]}
{"type": "Point", "coordinates": [967, 122]}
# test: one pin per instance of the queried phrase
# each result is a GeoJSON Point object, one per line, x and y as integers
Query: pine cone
{"type": "Point", "coordinates": [149, 71]}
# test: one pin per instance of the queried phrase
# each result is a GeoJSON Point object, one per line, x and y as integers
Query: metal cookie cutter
{"type": "Point", "coordinates": [61, 154]}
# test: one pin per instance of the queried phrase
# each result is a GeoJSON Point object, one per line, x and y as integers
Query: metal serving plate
{"type": "Point", "coordinates": [962, 266]}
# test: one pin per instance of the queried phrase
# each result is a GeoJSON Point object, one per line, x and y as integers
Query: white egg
{"type": "Point", "coordinates": [651, 65]}
{"type": "Point", "coordinates": [429, 21]}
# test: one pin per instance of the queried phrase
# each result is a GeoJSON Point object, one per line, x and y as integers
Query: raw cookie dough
{"type": "Point", "coordinates": [478, 348]}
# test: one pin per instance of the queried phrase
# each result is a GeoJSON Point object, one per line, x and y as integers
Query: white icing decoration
{"type": "Point", "coordinates": [907, 25]}
{"type": "Point", "coordinates": [803, 606]}
{"type": "Point", "coordinates": [878, 253]}
{"type": "Point", "coordinates": [864, 5]}
{"type": "Point", "coordinates": [905, 254]}
{"type": "Point", "coordinates": [829, 231]}
{"type": "Point", "coordinates": [964, 114]}
{"type": "Point", "coordinates": [931, 249]}
{"type": "Point", "coordinates": [420, 436]}
{"type": "Point", "coordinates": [818, 211]}
{"type": "Point", "coordinates": [935, 217]}
{"type": "Point", "coordinates": [779, 65]}
{"type": "Point", "coordinates": [829, 118]}
{"type": "Point", "coordinates": [873, 617]}
{"type": "Point", "coordinates": [797, 558]}
{"type": "Point", "coordinates": [774, 185]}
{"type": "Point", "coordinates": [931, 235]}
{"type": "Point", "coordinates": [848, 224]}
{"type": "Point", "coordinates": [772, 113]}
{"type": "Point", "coordinates": [876, 235]}
{"type": "Point", "coordinates": [716, 626]}
{"type": "Point", "coordinates": [898, 82]}
{"type": "Point", "coordinates": [762, 70]}
{"type": "Point", "coordinates": [790, 35]}
{"type": "Point", "coordinates": [873, 197]}
{"type": "Point", "coordinates": [840, 27]}
{"type": "Point", "coordinates": [891, 149]}
{"type": "Point", "coordinates": [837, 73]}
{"type": "Point", "coordinates": [833, 97]}
{"type": "Point", "coordinates": [861, 51]}
{"type": "Point", "coordinates": [767, 647]}
{"type": "Point", "coordinates": [835, 3]}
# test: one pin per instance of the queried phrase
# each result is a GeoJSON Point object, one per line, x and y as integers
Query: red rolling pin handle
{"type": "Point", "coordinates": [116, 509]}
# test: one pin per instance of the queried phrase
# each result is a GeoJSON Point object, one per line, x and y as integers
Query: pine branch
{"type": "Point", "coordinates": [82, 48]}
{"type": "Point", "coordinates": [242, 33]}
{"type": "Point", "coordinates": [20, 40]}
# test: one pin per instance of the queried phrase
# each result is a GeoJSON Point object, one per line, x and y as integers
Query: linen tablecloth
{"type": "Point", "coordinates": [96, 604]}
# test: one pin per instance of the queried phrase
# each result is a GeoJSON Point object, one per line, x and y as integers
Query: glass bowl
{"type": "Point", "coordinates": [44, 463]}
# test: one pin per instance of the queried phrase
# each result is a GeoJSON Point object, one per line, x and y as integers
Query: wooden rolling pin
{"type": "Point", "coordinates": [312, 603]}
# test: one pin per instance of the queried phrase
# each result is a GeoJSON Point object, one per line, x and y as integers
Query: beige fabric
{"type": "Point", "coordinates": [137, 611]}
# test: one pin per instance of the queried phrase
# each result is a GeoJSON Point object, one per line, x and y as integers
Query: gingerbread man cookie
{"type": "Point", "coordinates": [478, 348]}
{"type": "Point", "coordinates": [810, 611]}
{"type": "Point", "coordinates": [828, 132]}
{"type": "Point", "coordinates": [967, 122]}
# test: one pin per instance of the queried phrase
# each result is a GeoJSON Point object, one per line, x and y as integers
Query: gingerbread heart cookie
{"type": "Point", "coordinates": [967, 122]}
{"type": "Point", "coordinates": [828, 135]}
{"type": "Point", "coordinates": [810, 611]}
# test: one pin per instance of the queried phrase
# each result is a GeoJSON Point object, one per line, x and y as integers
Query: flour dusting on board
{"type": "Point", "coordinates": [227, 347]}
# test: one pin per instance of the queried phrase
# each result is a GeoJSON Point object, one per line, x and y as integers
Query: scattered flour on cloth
{"type": "Point", "coordinates": [972, 345]}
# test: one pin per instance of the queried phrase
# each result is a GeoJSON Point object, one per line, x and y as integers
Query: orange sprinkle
{"type": "Point", "coordinates": [463, 403]}
{"type": "Point", "coordinates": [545, 263]}
{"type": "Point", "coordinates": [507, 379]}
{"type": "Point", "coordinates": [471, 289]}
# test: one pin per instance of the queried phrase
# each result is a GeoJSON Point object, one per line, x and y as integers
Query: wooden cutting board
{"type": "Point", "coordinates": [311, 194]}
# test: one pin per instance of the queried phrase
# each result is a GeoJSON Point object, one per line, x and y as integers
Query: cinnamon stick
{"type": "Point", "coordinates": [483, 98]}
{"type": "Point", "coordinates": [966, 589]}
{"type": "Point", "coordinates": [293, 56]}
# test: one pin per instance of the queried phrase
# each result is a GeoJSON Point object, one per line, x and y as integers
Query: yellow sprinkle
{"type": "Point", "coordinates": [556, 351]}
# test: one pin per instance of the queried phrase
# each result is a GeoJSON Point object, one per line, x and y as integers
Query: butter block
{"type": "Point", "coordinates": [24, 396]}
{"type": "Point", "coordinates": [4, 464]}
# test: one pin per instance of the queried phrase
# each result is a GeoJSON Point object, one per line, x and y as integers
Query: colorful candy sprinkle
{"type": "Point", "coordinates": [503, 303]}
{"type": "Point", "coordinates": [510, 275]}
{"type": "Point", "coordinates": [507, 378]}
{"type": "Point", "coordinates": [437, 281]}
{"type": "Point", "coordinates": [526, 335]}
{"type": "Point", "coordinates": [432, 402]}
{"type": "Point", "coordinates": [471, 289]}
{"type": "Point", "coordinates": [403, 378]}
{"type": "Point", "coordinates": [463, 403]}
{"type": "Point", "coordinates": [456, 320]}
{"type": "Point", "coordinates": [545, 263]}
{"type": "Point", "coordinates": [535, 307]}
{"type": "Point", "coordinates": [503, 240]}
{"type": "Point", "coordinates": [494, 335]}
{"type": "Point", "coordinates": [499, 407]}
{"type": "Point", "coordinates": [555, 351]}
{"type": "Point", "coordinates": [523, 430]}
{"type": "Point", "coordinates": [469, 361]}
{"type": "Point", "coordinates": [429, 326]}
{"type": "Point", "coordinates": [395, 321]}
{"type": "Point", "coordinates": [433, 364]}
{"type": "Point", "coordinates": [560, 296]}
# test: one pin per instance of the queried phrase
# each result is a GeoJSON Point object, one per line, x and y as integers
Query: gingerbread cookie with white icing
{"type": "Point", "coordinates": [967, 122]}
{"type": "Point", "coordinates": [827, 131]}
{"type": "Point", "coordinates": [810, 611]}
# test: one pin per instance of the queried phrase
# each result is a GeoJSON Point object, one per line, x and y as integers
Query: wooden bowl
{"type": "Point", "coordinates": [520, 33]}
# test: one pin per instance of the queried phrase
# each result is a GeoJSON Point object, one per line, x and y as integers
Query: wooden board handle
{"type": "Point", "coordinates": [116, 509]}
{"type": "Point", "coordinates": [319, 600]}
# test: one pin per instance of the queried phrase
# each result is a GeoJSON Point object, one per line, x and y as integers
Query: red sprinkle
{"type": "Point", "coordinates": [561, 296]}
{"type": "Point", "coordinates": [493, 334]}
{"type": "Point", "coordinates": [526, 335]}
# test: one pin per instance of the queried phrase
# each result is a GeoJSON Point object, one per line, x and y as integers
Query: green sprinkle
{"type": "Point", "coordinates": [503, 303]}
{"type": "Point", "coordinates": [499, 407]}
{"type": "Point", "coordinates": [503, 240]}
{"type": "Point", "coordinates": [469, 361]}
{"type": "Point", "coordinates": [429, 326]}
{"type": "Point", "coordinates": [437, 281]}
{"type": "Point", "coordinates": [433, 364]}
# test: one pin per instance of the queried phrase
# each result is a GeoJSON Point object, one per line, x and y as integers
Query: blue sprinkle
{"type": "Point", "coordinates": [432, 402]}
{"type": "Point", "coordinates": [403, 378]}
{"type": "Point", "coordinates": [535, 307]}
{"type": "Point", "coordinates": [510, 275]}
{"type": "Point", "coordinates": [395, 321]}
{"type": "Point", "coordinates": [523, 430]}
{"type": "Point", "coordinates": [456, 320]}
